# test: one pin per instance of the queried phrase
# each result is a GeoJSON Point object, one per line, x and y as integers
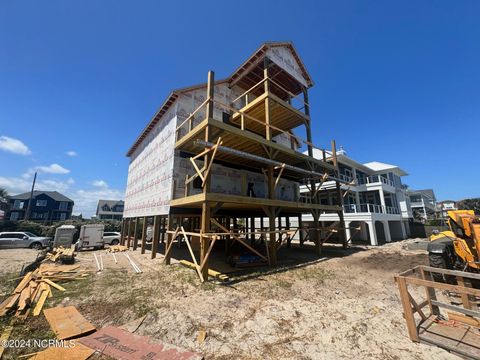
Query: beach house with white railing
{"type": "Point", "coordinates": [376, 207]}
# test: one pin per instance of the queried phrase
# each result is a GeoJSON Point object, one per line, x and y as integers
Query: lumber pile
{"type": "Point", "coordinates": [117, 248]}
{"type": "Point", "coordinates": [61, 253]}
{"type": "Point", "coordinates": [36, 286]}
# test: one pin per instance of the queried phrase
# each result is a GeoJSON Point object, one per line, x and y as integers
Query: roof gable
{"type": "Point", "coordinates": [55, 195]}
{"type": "Point", "coordinates": [283, 54]}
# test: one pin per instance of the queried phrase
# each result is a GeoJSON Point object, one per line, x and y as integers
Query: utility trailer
{"type": "Point", "coordinates": [63, 247]}
{"type": "Point", "coordinates": [91, 236]}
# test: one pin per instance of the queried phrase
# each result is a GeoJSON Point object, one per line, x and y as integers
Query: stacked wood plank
{"type": "Point", "coordinates": [61, 253]}
{"type": "Point", "coordinates": [35, 287]}
{"type": "Point", "coordinates": [117, 248]}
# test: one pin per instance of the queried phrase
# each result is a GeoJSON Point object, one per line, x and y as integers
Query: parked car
{"type": "Point", "coordinates": [23, 240]}
{"type": "Point", "coordinates": [112, 237]}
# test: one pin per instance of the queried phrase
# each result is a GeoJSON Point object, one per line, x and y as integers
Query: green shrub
{"type": "Point", "coordinates": [49, 230]}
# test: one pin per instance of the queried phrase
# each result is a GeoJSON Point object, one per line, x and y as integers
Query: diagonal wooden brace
{"type": "Point", "coordinates": [169, 248]}
{"type": "Point", "coordinates": [238, 239]}
{"type": "Point", "coordinates": [197, 267]}
{"type": "Point", "coordinates": [207, 254]}
{"type": "Point", "coordinates": [199, 172]}
{"type": "Point", "coordinates": [209, 167]}
{"type": "Point", "coordinates": [322, 180]}
{"type": "Point", "coordinates": [279, 175]}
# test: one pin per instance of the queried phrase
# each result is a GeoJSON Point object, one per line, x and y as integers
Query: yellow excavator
{"type": "Point", "coordinates": [457, 248]}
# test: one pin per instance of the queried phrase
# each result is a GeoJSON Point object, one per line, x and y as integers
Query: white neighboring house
{"type": "Point", "coordinates": [376, 203]}
{"type": "Point", "coordinates": [423, 203]}
{"type": "Point", "coordinates": [443, 207]}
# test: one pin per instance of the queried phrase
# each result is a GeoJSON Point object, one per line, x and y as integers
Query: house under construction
{"type": "Point", "coordinates": [222, 162]}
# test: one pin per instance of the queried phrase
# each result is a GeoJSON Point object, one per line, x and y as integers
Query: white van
{"type": "Point", "coordinates": [91, 236]}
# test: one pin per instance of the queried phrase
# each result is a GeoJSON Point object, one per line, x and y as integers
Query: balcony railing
{"type": "Point", "coordinates": [370, 208]}
{"type": "Point", "coordinates": [345, 178]}
{"type": "Point", "coordinates": [375, 179]}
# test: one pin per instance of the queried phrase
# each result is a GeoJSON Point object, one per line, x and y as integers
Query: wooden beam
{"type": "Point", "coordinates": [209, 167]}
{"type": "Point", "coordinates": [170, 238]}
{"type": "Point", "coordinates": [122, 234]}
{"type": "Point", "coordinates": [135, 232]}
{"type": "Point", "coordinates": [144, 235]}
{"type": "Point", "coordinates": [129, 232]}
{"type": "Point", "coordinates": [197, 267]}
{"type": "Point", "coordinates": [155, 235]}
{"type": "Point", "coordinates": [205, 217]}
{"type": "Point", "coordinates": [407, 309]}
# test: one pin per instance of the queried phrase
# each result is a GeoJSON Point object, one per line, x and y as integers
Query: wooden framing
{"type": "Point", "coordinates": [245, 141]}
{"type": "Point", "coordinates": [431, 327]}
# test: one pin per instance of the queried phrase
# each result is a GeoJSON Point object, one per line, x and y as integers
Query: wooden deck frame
{"type": "Point", "coordinates": [429, 328]}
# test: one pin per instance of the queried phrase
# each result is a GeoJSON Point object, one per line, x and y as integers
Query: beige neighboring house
{"type": "Point", "coordinates": [110, 209]}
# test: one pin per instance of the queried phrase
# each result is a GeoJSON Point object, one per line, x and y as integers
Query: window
{"type": "Point", "coordinates": [63, 205]}
{"type": "Point", "coordinates": [18, 204]}
{"type": "Point", "coordinates": [105, 207]}
{"type": "Point", "coordinates": [63, 216]}
{"type": "Point", "coordinates": [14, 216]}
{"type": "Point", "coordinates": [41, 203]}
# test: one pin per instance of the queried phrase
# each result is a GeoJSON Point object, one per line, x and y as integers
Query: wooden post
{"type": "Point", "coordinates": [164, 228]}
{"type": "Point", "coordinates": [169, 239]}
{"type": "Point", "coordinates": [431, 295]}
{"type": "Point", "coordinates": [122, 234]}
{"type": "Point", "coordinates": [342, 236]}
{"type": "Point", "coordinates": [227, 238]}
{"type": "Point", "coordinates": [272, 244]}
{"type": "Point", "coordinates": [465, 298]}
{"type": "Point", "coordinates": [308, 123]}
{"type": "Point", "coordinates": [268, 130]}
{"type": "Point", "coordinates": [287, 227]}
{"type": "Point", "coordinates": [205, 221]}
{"type": "Point", "coordinates": [252, 229]}
{"type": "Point", "coordinates": [407, 309]}
{"type": "Point", "coordinates": [135, 237]}
{"type": "Point", "coordinates": [317, 238]}
{"type": "Point", "coordinates": [155, 235]}
{"type": "Point", "coordinates": [144, 235]}
{"type": "Point", "coordinates": [129, 231]}
{"type": "Point", "coordinates": [300, 231]}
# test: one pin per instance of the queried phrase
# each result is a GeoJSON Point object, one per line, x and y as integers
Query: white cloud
{"type": "Point", "coordinates": [14, 146]}
{"type": "Point", "coordinates": [50, 169]}
{"type": "Point", "coordinates": [86, 200]}
{"type": "Point", "coordinates": [100, 183]}
{"type": "Point", "coordinates": [53, 169]}
{"type": "Point", "coordinates": [71, 153]}
{"type": "Point", "coordinates": [16, 185]}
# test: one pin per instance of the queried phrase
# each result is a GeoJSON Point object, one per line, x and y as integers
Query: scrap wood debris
{"type": "Point", "coordinates": [79, 352]}
{"type": "Point", "coordinates": [62, 254]}
{"type": "Point", "coordinates": [117, 248]}
{"type": "Point", "coordinates": [35, 287]}
{"type": "Point", "coordinates": [67, 322]}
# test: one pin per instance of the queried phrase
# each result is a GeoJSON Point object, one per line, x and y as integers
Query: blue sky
{"type": "Point", "coordinates": [395, 81]}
